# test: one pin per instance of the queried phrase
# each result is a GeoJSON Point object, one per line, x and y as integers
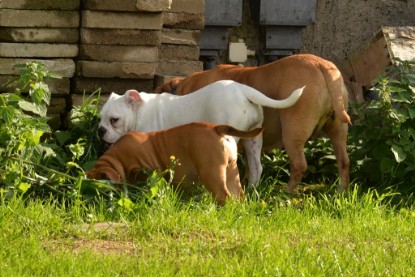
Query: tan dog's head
{"type": "Point", "coordinates": [104, 173]}
{"type": "Point", "coordinates": [169, 87]}
{"type": "Point", "coordinates": [109, 166]}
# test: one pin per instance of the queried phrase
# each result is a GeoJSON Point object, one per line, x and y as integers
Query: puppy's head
{"type": "Point", "coordinates": [104, 173]}
{"type": "Point", "coordinates": [117, 116]}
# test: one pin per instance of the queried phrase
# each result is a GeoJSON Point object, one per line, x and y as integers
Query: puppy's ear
{"type": "Point", "coordinates": [132, 97]}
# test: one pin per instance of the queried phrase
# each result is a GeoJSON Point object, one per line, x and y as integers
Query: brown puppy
{"type": "Point", "coordinates": [201, 149]}
{"type": "Point", "coordinates": [322, 107]}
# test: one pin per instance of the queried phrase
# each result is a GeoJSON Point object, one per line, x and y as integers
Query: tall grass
{"type": "Point", "coordinates": [359, 234]}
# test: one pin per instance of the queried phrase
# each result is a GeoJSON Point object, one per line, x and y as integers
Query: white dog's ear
{"type": "Point", "coordinates": [114, 96]}
{"type": "Point", "coordinates": [132, 97]}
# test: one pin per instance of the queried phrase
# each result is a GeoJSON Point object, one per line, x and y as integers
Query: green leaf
{"type": "Point", "coordinates": [63, 136]}
{"type": "Point", "coordinates": [77, 149]}
{"type": "Point", "coordinates": [126, 203]}
{"type": "Point", "coordinates": [23, 187]}
{"type": "Point", "coordinates": [7, 114]}
{"type": "Point", "coordinates": [399, 153]}
{"type": "Point", "coordinates": [386, 165]}
{"type": "Point", "coordinates": [40, 93]}
{"type": "Point", "coordinates": [31, 107]}
{"type": "Point", "coordinates": [411, 112]}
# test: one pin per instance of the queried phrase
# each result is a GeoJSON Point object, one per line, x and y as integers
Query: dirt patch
{"type": "Point", "coordinates": [112, 239]}
{"type": "Point", "coordinates": [101, 246]}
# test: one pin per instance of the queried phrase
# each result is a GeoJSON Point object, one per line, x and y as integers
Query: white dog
{"type": "Point", "coordinates": [223, 102]}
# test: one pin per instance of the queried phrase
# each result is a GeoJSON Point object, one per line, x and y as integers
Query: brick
{"type": "Point", "coordinates": [179, 52]}
{"type": "Point", "coordinates": [188, 6]}
{"type": "Point", "coordinates": [153, 5]}
{"type": "Point", "coordinates": [40, 5]}
{"type": "Point", "coordinates": [183, 20]}
{"type": "Point", "coordinates": [56, 86]}
{"type": "Point", "coordinates": [180, 36]}
{"type": "Point", "coordinates": [57, 105]}
{"type": "Point", "coordinates": [121, 20]}
{"type": "Point", "coordinates": [56, 35]}
{"type": "Point", "coordinates": [177, 67]}
{"type": "Point", "coordinates": [62, 67]}
{"type": "Point", "coordinates": [120, 37]}
{"type": "Point", "coordinates": [38, 50]}
{"type": "Point", "coordinates": [116, 69]}
{"type": "Point", "coordinates": [127, 5]}
{"type": "Point", "coordinates": [55, 121]}
{"type": "Point", "coordinates": [34, 18]}
{"type": "Point", "coordinates": [111, 53]}
{"type": "Point", "coordinates": [118, 85]}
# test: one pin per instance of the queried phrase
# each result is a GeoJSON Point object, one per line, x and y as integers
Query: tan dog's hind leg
{"type": "Point", "coordinates": [298, 164]}
{"type": "Point", "coordinates": [214, 179]}
{"type": "Point", "coordinates": [337, 132]}
{"type": "Point", "coordinates": [233, 182]}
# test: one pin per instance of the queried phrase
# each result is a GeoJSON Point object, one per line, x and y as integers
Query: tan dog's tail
{"type": "Point", "coordinates": [228, 130]}
{"type": "Point", "coordinates": [336, 87]}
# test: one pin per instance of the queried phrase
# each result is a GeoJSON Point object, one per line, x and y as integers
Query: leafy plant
{"type": "Point", "coordinates": [382, 139]}
{"type": "Point", "coordinates": [23, 123]}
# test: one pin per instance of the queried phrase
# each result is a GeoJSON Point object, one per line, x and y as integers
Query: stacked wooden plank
{"type": "Point", "coordinates": [366, 64]}
{"type": "Point", "coordinates": [46, 31]}
{"type": "Point", "coordinates": [118, 46]}
{"type": "Point", "coordinates": [105, 45]}
{"type": "Point", "coordinates": [180, 36]}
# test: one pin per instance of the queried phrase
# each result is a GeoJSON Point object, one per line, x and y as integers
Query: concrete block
{"type": "Point", "coordinates": [38, 50]}
{"type": "Point", "coordinates": [55, 35]}
{"type": "Point", "coordinates": [183, 20]}
{"type": "Point", "coordinates": [121, 20]}
{"type": "Point", "coordinates": [188, 6]}
{"type": "Point", "coordinates": [179, 52]}
{"type": "Point", "coordinates": [120, 37]}
{"type": "Point", "coordinates": [127, 5]}
{"type": "Point", "coordinates": [117, 53]}
{"type": "Point", "coordinates": [180, 36]}
{"type": "Point", "coordinates": [178, 67]}
{"type": "Point", "coordinates": [116, 69]}
{"type": "Point", "coordinates": [62, 67]}
{"type": "Point", "coordinates": [56, 86]}
{"type": "Point", "coordinates": [40, 5]}
{"type": "Point", "coordinates": [37, 18]}
{"type": "Point", "coordinates": [108, 85]}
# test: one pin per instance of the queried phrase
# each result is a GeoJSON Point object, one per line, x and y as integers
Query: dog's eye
{"type": "Point", "coordinates": [113, 121]}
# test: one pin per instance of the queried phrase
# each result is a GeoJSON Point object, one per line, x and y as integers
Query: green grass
{"type": "Point", "coordinates": [358, 234]}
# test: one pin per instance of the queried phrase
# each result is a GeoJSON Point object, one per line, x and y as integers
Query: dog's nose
{"type": "Point", "coordinates": [101, 131]}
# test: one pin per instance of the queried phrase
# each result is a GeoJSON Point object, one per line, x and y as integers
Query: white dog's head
{"type": "Point", "coordinates": [117, 116]}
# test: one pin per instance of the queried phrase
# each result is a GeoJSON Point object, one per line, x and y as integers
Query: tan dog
{"type": "Point", "coordinates": [201, 149]}
{"type": "Point", "coordinates": [322, 108]}
{"type": "Point", "coordinates": [169, 86]}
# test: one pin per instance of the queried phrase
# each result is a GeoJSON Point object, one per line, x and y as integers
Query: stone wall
{"type": "Point", "coordinates": [342, 27]}
{"type": "Point", "coordinates": [100, 44]}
